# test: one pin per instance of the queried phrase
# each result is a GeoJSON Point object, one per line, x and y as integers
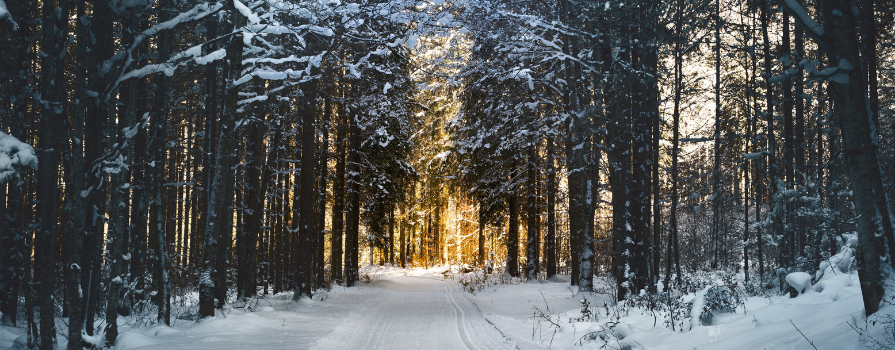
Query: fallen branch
{"type": "Point", "coordinates": [803, 335]}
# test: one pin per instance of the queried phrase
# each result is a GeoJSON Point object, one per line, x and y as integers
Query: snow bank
{"type": "Point", "coordinates": [13, 155]}
{"type": "Point", "coordinates": [761, 322]}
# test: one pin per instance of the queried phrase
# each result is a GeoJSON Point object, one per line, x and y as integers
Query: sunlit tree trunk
{"type": "Point", "coordinates": [338, 211]}
{"type": "Point", "coordinates": [513, 231]}
{"type": "Point", "coordinates": [551, 212]}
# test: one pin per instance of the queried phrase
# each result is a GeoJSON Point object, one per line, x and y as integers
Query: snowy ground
{"type": "Point", "coordinates": [425, 309]}
{"type": "Point", "coordinates": [764, 325]}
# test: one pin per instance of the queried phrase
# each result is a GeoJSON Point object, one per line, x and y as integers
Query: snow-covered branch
{"type": "Point", "coordinates": [14, 154]}
{"type": "Point", "coordinates": [4, 14]}
{"type": "Point", "coordinates": [813, 28]}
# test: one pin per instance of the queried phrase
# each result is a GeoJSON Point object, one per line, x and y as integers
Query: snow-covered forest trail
{"type": "Point", "coordinates": [396, 312]}
{"type": "Point", "coordinates": [415, 313]}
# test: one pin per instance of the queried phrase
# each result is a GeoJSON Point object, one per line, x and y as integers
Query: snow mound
{"type": "Point", "coordinates": [21, 342]}
{"type": "Point", "coordinates": [800, 281]}
{"type": "Point", "coordinates": [165, 331]}
{"type": "Point", "coordinates": [130, 340]}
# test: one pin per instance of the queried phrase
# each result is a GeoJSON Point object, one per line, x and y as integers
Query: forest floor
{"type": "Point", "coordinates": [428, 309]}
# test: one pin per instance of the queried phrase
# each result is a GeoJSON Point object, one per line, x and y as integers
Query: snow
{"type": "Point", "coordinates": [4, 14]}
{"type": "Point", "coordinates": [395, 308]}
{"type": "Point", "coordinates": [245, 11]}
{"type": "Point", "coordinates": [800, 281]}
{"type": "Point", "coordinates": [698, 305]}
{"type": "Point", "coordinates": [805, 17]}
{"type": "Point", "coordinates": [211, 57]}
{"type": "Point", "coordinates": [839, 77]}
{"type": "Point", "coordinates": [845, 65]}
{"type": "Point", "coordinates": [14, 154]}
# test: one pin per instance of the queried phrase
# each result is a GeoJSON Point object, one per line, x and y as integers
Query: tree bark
{"type": "Point", "coordinates": [307, 223]}
{"type": "Point", "coordinates": [55, 28]}
{"type": "Point", "coordinates": [352, 217]}
{"type": "Point", "coordinates": [12, 255]}
{"type": "Point", "coordinates": [338, 212]}
{"type": "Point", "coordinates": [512, 267]}
{"type": "Point", "coordinates": [551, 211]}
{"type": "Point", "coordinates": [253, 199]}
{"type": "Point", "coordinates": [323, 175]}
{"type": "Point", "coordinates": [220, 197]}
{"type": "Point", "coordinates": [157, 156]}
{"type": "Point", "coordinates": [532, 247]}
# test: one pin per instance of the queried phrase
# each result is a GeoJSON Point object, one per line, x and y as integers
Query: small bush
{"type": "Point", "coordinates": [726, 299]}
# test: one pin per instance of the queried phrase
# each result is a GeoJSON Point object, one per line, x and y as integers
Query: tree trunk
{"type": "Point", "coordinates": [338, 212]}
{"type": "Point", "coordinates": [352, 217]}
{"type": "Point", "coordinates": [307, 226]}
{"type": "Point", "coordinates": [220, 197]}
{"type": "Point", "coordinates": [391, 236]}
{"type": "Point", "coordinates": [716, 173]}
{"type": "Point", "coordinates": [157, 157]}
{"type": "Point", "coordinates": [790, 251]}
{"type": "Point", "coordinates": [74, 239]}
{"type": "Point", "coordinates": [253, 199]}
{"type": "Point", "coordinates": [551, 210]}
{"type": "Point", "coordinates": [323, 174]}
{"type": "Point", "coordinates": [53, 44]}
{"type": "Point", "coordinates": [799, 141]}
{"type": "Point", "coordinates": [644, 57]}
{"type": "Point", "coordinates": [12, 255]}
{"type": "Point", "coordinates": [138, 209]}
{"type": "Point", "coordinates": [533, 244]}
{"type": "Point", "coordinates": [675, 154]}
{"type": "Point", "coordinates": [513, 231]}
{"type": "Point", "coordinates": [771, 148]}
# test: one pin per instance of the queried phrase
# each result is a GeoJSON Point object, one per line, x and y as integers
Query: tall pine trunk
{"type": "Point", "coordinates": [551, 211]}
{"type": "Point", "coordinates": [307, 221]}
{"type": "Point", "coordinates": [221, 195]}
{"type": "Point", "coordinates": [352, 217]}
{"type": "Point", "coordinates": [513, 231]}
{"type": "Point", "coordinates": [532, 247]}
{"type": "Point", "coordinates": [55, 28]}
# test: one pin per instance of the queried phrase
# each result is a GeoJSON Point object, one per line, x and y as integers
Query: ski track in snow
{"type": "Point", "coordinates": [415, 313]}
{"type": "Point", "coordinates": [460, 317]}
{"type": "Point", "coordinates": [397, 312]}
